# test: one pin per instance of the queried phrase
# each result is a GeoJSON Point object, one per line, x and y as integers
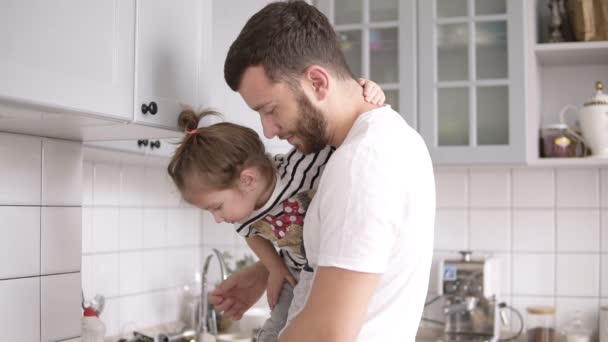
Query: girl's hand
{"type": "Point", "coordinates": [372, 92]}
{"type": "Point", "coordinates": [275, 285]}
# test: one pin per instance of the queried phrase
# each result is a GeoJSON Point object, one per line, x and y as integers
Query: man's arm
{"type": "Point", "coordinates": [336, 307]}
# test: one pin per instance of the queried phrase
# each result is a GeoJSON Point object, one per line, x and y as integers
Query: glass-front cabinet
{"type": "Point", "coordinates": [471, 80]}
{"type": "Point", "coordinates": [378, 38]}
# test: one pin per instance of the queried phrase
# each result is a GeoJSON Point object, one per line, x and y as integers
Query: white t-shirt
{"type": "Point", "coordinates": [374, 212]}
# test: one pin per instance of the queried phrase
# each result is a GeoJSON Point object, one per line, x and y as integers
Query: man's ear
{"type": "Point", "coordinates": [317, 79]}
{"type": "Point", "coordinates": [248, 179]}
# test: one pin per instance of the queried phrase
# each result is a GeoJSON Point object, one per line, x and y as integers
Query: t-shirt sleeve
{"type": "Point", "coordinates": [359, 211]}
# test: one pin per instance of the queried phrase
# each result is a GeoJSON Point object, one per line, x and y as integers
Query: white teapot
{"type": "Point", "coordinates": [594, 122]}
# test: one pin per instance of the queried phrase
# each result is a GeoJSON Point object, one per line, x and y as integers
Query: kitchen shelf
{"type": "Point", "coordinates": [572, 53]}
{"type": "Point", "coordinates": [573, 162]}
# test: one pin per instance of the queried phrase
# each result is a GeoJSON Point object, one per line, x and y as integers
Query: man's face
{"type": "Point", "coordinates": [284, 113]}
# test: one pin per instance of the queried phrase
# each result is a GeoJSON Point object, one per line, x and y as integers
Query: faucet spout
{"type": "Point", "coordinates": [202, 312]}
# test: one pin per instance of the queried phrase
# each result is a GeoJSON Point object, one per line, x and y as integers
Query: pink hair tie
{"type": "Point", "coordinates": [193, 131]}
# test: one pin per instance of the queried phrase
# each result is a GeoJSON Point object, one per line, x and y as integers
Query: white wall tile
{"type": "Point", "coordinates": [216, 233]}
{"type": "Point", "coordinates": [577, 188]}
{"type": "Point", "coordinates": [156, 270]}
{"type": "Point", "coordinates": [155, 227]}
{"type": "Point", "coordinates": [87, 229]}
{"type": "Point", "coordinates": [106, 184]}
{"type": "Point", "coordinates": [20, 242]}
{"type": "Point", "coordinates": [490, 188]}
{"type": "Point", "coordinates": [451, 229]}
{"type": "Point", "coordinates": [183, 226]}
{"type": "Point", "coordinates": [533, 188]}
{"type": "Point", "coordinates": [578, 275]}
{"type": "Point", "coordinates": [20, 309]}
{"type": "Point", "coordinates": [87, 183]}
{"type": "Point", "coordinates": [61, 172]}
{"type": "Point", "coordinates": [534, 230]}
{"type": "Point", "coordinates": [183, 264]}
{"type": "Point", "coordinates": [131, 273]}
{"type": "Point", "coordinates": [604, 189]}
{"type": "Point", "coordinates": [131, 223]}
{"type": "Point", "coordinates": [534, 274]}
{"type": "Point", "coordinates": [21, 169]}
{"type": "Point", "coordinates": [490, 230]}
{"type": "Point", "coordinates": [105, 230]}
{"type": "Point", "coordinates": [578, 230]}
{"type": "Point", "coordinates": [604, 275]}
{"type": "Point", "coordinates": [60, 306]}
{"type": "Point", "coordinates": [104, 275]}
{"type": "Point", "coordinates": [173, 197]}
{"type": "Point", "coordinates": [61, 229]}
{"type": "Point", "coordinates": [567, 308]}
{"type": "Point", "coordinates": [155, 192]}
{"type": "Point", "coordinates": [604, 230]}
{"type": "Point", "coordinates": [133, 185]}
{"type": "Point", "coordinates": [134, 312]}
{"type": "Point", "coordinates": [451, 185]}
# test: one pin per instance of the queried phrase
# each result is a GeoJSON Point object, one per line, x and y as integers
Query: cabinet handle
{"type": "Point", "coordinates": [142, 142]}
{"type": "Point", "coordinates": [155, 144]}
{"type": "Point", "coordinates": [151, 108]}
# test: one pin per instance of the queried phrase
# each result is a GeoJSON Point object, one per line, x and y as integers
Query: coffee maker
{"type": "Point", "coordinates": [469, 287]}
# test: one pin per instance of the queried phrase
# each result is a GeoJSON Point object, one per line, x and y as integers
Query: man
{"type": "Point", "coordinates": [368, 233]}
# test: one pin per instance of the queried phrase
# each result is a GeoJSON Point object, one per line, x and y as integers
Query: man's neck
{"type": "Point", "coordinates": [346, 107]}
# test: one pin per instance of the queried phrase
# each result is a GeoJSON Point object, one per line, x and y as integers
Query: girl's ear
{"type": "Point", "coordinates": [248, 178]}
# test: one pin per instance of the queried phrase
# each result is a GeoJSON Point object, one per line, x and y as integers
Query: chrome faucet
{"type": "Point", "coordinates": [202, 310]}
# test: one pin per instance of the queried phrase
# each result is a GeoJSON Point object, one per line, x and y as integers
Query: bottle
{"type": "Point", "coordinates": [541, 324]}
{"type": "Point", "coordinates": [575, 331]}
{"type": "Point", "coordinates": [93, 329]}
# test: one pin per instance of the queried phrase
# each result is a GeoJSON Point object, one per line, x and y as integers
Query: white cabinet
{"type": "Point", "coordinates": [71, 55]}
{"type": "Point", "coordinates": [472, 80]}
{"type": "Point", "coordinates": [169, 57]}
{"type": "Point", "coordinates": [378, 39]}
{"type": "Point", "coordinates": [81, 70]}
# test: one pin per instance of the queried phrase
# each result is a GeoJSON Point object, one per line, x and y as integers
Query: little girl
{"type": "Point", "coordinates": [223, 168]}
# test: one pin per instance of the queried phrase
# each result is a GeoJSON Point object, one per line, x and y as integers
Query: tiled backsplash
{"type": "Point", "coordinates": [549, 228]}
{"type": "Point", "coordinates": [141, 244]}
{"type": "Point", "coordinates": [40, 227]}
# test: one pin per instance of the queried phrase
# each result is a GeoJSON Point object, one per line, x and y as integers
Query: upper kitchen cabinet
{"type": "Point", "coordinates": [170, 57]}
{"type": "Point", "coordinates": [99, 69]}
{"type": "Point", "coordinates": [472, 80]}
{"type": "Point", "coordinates": [70, 55]}
{"type": "Point", "coordinates": [378, 38]}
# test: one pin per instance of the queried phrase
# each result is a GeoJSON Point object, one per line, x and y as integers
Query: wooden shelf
{"type": "Point", "coordinates": [573, 162]}
{"type": "Point", "coordinates": [572, 53]}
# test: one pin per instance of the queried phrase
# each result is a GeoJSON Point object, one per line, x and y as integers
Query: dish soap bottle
{"type": "Point", "coordinates": [93, 329]}
{"type": "Point", "coordinates": [575, 331]}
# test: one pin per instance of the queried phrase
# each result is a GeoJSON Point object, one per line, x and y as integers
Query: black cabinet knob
{"type": "Point", "coordinates": [151, 108]}
{"type": "Point", "coordinates": [142, 142]}
{"type": "Point", "coordinates": [155, 144]}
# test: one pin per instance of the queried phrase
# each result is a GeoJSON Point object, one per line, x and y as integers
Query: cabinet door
{"type": "Point", "coordinates": [471, 82]}
{"type": "Point", "coordinates": [169, 48]}
{"type": "Point", "coordinates": [378, 39]}
{"type": "Point", "coordinates": [69, 54]}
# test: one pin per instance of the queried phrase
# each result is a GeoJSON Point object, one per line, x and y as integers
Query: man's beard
{"type": "Point", "coordinates": [311, 127]}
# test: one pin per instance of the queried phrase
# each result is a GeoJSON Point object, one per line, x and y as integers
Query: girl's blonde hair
{"type": "Point", "coordinates": [213, 157]}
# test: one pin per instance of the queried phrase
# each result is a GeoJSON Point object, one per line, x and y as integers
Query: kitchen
{"type": "Point", "coordinates": [87, 123]}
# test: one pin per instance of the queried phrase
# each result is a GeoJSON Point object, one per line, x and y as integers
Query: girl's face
{"type": "Point", "coordinates": [232, 205]}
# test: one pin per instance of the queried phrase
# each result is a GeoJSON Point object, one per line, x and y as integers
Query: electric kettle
{"type": "Point", "coordinates": [593, 117]}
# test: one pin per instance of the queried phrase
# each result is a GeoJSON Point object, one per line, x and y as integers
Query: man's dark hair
{"type": "Point", "coordinates": [285, 38]}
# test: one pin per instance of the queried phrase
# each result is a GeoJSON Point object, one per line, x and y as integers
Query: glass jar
{"type": "Point", "coordinates": [541, 324]}
{"type": "Point", "coordinates": [575, 331]}
{"type": "Point", "coordinates": [558, 142]}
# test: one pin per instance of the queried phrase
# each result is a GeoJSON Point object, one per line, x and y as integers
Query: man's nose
{"type": "Point", "coordinates": [270, 128]}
